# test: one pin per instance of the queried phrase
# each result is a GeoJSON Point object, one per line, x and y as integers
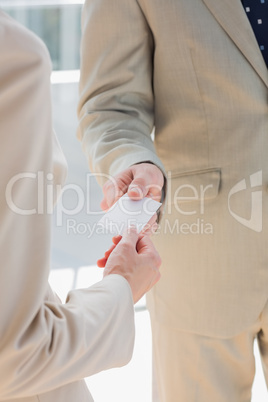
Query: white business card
{"type": "Point", "coordinates": [127, 212]}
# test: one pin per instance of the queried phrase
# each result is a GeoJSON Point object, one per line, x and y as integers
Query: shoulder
{"type": "Point", "coordinates": [18, 45]}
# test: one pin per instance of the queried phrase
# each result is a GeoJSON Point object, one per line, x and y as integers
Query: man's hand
{"type": "Point", "coordinates": [139, 181]}
{"type": "Point", "coordinates": [136, 259]}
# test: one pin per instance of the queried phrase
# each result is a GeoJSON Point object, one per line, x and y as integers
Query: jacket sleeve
{"type": "Point", "coordinates": [116, 108]}
{"type": "Point", "coordinates": [43, 344]}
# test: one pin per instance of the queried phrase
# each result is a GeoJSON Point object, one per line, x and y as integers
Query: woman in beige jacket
{"type": "Point", "coordinates": [47, 348]}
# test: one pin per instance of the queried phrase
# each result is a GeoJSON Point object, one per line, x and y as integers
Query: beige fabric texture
{"type": "Point", "coordinates": [211, 369]}
{"type": "Point", "coordinates": [46, 348]}
{"type": "Point", "coordinates": [194, 71]}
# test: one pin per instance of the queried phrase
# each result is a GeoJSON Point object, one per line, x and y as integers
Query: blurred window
{"type": "Point", "coordinates": [56, 22]}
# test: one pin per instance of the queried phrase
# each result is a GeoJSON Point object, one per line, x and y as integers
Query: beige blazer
{"type": "Point", "coordinates": [191, 69]}
{"type": "Point", "coordinates": [46, 348]}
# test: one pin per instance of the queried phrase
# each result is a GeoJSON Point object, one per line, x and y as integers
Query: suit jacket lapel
{"type": "Point", "coordinates": [233, 19]}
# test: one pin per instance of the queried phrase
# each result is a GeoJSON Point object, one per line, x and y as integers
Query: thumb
{"type": "Point", "coordinates": [130, 236]}
{"type": "Point", "coordinates": [147, 180]}
{"type": "Point", "coordinates": [138, 188]}
{"type": "Point", "coordinates": [144, 244]}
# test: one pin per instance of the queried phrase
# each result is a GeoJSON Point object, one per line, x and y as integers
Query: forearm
{"type": "Point", "coordinates": [43, 344]}
{"type": "Point", "coordinates": [92, 332]}
{"type": "Point", "coordinates": [116, 108]}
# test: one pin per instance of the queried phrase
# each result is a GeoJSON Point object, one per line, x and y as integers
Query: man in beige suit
{"type": "Point", "coordinates": [47, 348]}
{"type": "Point", "coordinates": [193, 70]}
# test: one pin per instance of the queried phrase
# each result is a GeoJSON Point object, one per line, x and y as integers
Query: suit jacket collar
{"type": "Point", "coordinates": [232, 17]}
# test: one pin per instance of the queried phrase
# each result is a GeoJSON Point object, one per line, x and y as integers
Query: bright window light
{"type": "Point", "coordinates": [31, 3]}
{"type": "Point", "coordinates": [65, 77]}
